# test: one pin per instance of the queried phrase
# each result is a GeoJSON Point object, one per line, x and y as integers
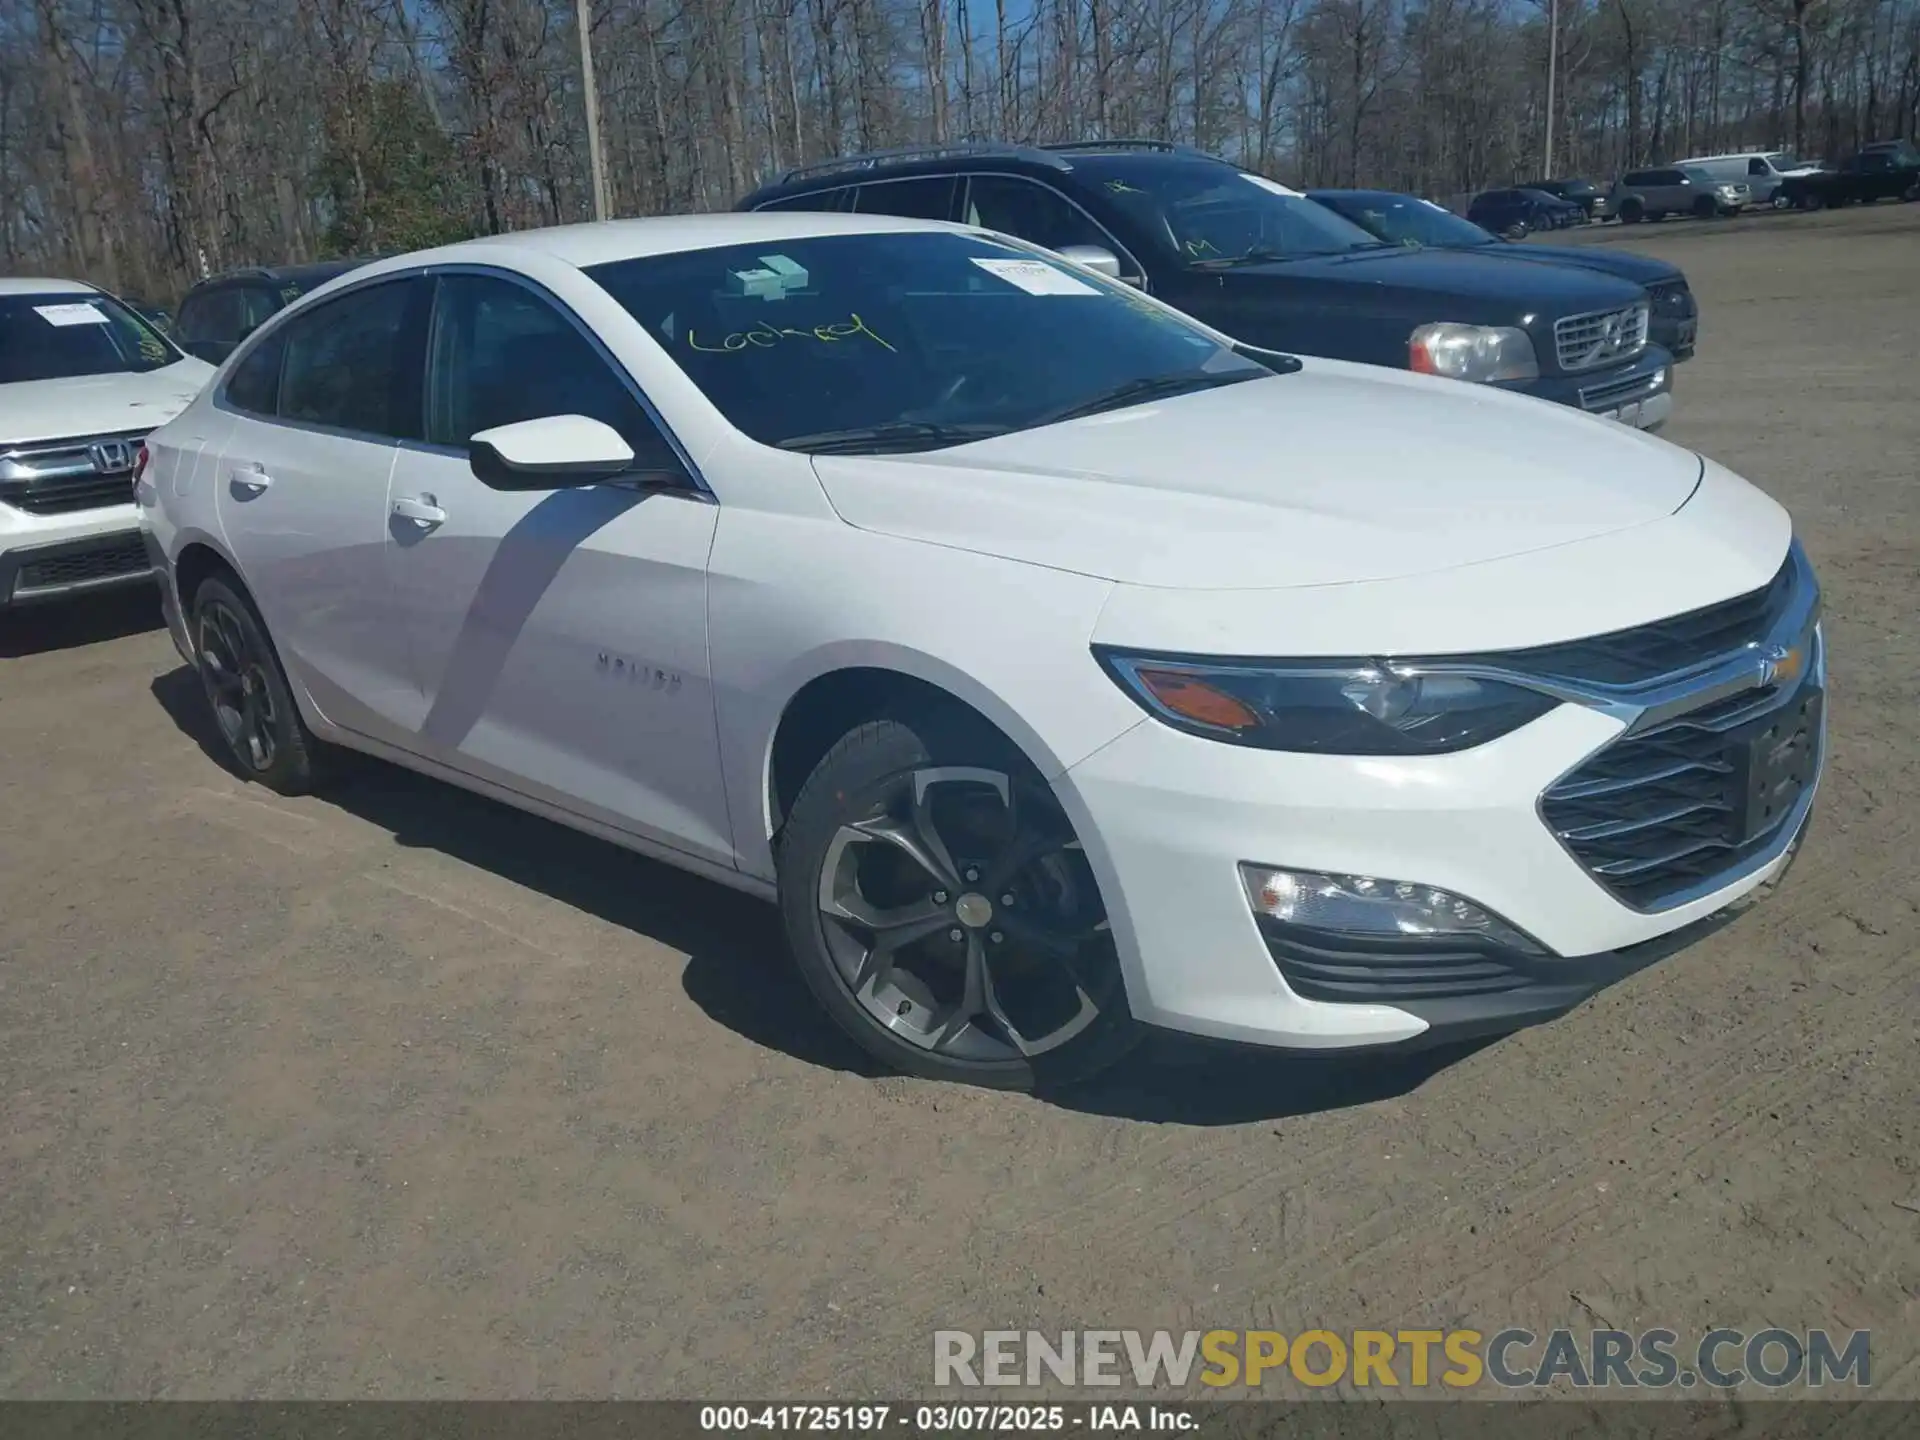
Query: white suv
{"type": "Point", "coordinates": [82, 381]}
{"type": "Point", "coordinates": [1054, 662]}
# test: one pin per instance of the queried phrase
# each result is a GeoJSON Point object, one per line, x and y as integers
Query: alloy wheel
{"type": "Point", "coordinates": [961, 915]}
{"type": "Point", "coordinates": [237, 687]}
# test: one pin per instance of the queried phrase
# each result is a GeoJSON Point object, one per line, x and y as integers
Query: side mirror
{"type": "Point", "coordinates": [555, 452]}
{"type": "Point", "coordinates": [1094, 257]}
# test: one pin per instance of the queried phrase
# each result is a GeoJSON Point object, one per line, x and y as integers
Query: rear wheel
{"type": "Point", "coordinates": [1705, 209]}
{"type": "Point", "coordinates": [1812, 200]}
{"type": "Point", "coordinates": [943, 912]}
{"type": "Point", "coordinates": [1632, 212]}
{"type": "Point", "coordinates": [253, 707]}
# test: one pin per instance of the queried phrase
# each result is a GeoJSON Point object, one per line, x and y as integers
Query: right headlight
{"type": "Point", "coordinates": [1473, 352]}
{"type": "Point", "coordinates": [1329, 708]}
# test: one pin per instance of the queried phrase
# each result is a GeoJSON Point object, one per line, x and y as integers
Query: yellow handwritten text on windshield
{"type": "Point", "coordinates": [766, 336]}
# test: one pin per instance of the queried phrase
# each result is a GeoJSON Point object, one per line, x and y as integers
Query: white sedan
{"type": "Point", "coordinates": [1054, 662]}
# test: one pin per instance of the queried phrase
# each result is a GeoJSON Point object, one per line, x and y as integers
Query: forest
{"type": "Point", "coordinates": [147, 143]}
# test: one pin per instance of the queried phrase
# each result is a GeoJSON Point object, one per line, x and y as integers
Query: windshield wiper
{"type": "Point", "coordinates": [1138, 392]}
{"type": "Point", "coordinates": [893, 437]}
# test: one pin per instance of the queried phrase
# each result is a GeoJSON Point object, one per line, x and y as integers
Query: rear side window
{"type": "Point", "coordinates": [254, 385]}
{"type": "Point", "coordinates": [1031, 211]}
{"type": "Point", "coordinates": [212, 315]}
{"type": "Point", "coordinates": [926, 198]}
{"type": "Point", "coordinates": [354, 363]}
{"type": "Point", "coordinates": [1641, 177]}
{"type": "Point", "coordinates": [500, 354]}
{"type": "Point", "coordinates": [837, 199]}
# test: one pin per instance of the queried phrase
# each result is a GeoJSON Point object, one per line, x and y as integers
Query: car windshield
{"type": "Point", "coordinates": [1213, 215]}
{"type": "Point", "coordinates": [1406, 220]}
{"type": "Point", "coordinates": [908, 341]}
{"type": "Point", "coordinates": [61, 334]}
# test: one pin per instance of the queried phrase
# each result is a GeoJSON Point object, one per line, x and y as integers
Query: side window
{"type": "Point", "coordinates": [928, 198]}
{"type": "Point", "coordinates": [1031, 211]}
{"type": "Point", "coordinates": [257, 302]}
{"type": "Point", "coordinates": [254, 385]}
{"type": "Point", "coordinates": [499, 354]}
{"type": "Point", "coordinates": [354, 363]}
{"type": "Point", "coordinates": [838, 199]}
{"type": "Point", "coordinates": [1759, 168]}
{"type": "Point", "coordinates": [211, 315]}
{"type": "Point", "coordinates": [1672, 177]}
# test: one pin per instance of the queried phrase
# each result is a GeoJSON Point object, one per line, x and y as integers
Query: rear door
{"type": "Point", "coordinates": [301, 492]}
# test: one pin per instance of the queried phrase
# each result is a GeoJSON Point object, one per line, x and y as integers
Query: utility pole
{"type": "Point", "coordinates": [583, 9]}
{"type": "Point", "coordinates": [1553, 65]}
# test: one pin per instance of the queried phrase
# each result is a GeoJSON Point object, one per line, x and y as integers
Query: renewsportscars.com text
{"type": "Point", "coordinates": [1511, 1358]}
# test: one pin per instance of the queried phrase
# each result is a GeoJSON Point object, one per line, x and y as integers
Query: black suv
{"type": "Point", "coordinates": [1271, 268]}
{"type": "Point", "coordinates": [218, 314]}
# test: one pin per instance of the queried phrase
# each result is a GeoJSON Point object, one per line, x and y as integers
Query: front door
{"type": "Point", "coordinates": [300, 488]}
{"type": "Point", "coordinates": [559, 637]}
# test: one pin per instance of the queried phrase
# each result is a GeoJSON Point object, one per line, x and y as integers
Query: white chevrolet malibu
{"type": "Point", "coordinates": [1056, 664]}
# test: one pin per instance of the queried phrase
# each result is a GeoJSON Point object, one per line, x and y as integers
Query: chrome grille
{"type": "Point", "coordinates": [1655, 816]}
{"type": "Point", "coordinates": [1584, 341]}
{"type": "Point", "coordinates": [56, 477]}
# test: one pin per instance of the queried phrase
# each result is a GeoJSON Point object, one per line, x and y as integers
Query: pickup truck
{"type": "Point", "coordinates": [1887, 171]}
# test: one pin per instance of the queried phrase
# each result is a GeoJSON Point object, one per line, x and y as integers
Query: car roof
{"type": "Point", "coordinates": [605, 241]}
{"type": "Point", "coordinates": [308, 275]}
{"type": "Point", "coordinates": [42, 285]}
{"type": "Point", "coordinates": [1095, 157]}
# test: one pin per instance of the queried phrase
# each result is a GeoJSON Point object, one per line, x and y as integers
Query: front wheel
{"type": "Point", "coordinates": [943, 912]}
{"type": "Point", "coordinates": [1516, 231]}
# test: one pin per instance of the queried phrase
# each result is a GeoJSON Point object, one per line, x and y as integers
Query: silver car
{"type": "Point", "coordinates": [1675, 190]}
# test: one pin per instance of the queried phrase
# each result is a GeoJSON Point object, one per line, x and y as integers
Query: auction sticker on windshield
{"type": "Point", "coordinates": [76, 314]}
{"type": "Point", "coordinates": [1036, 277]}
{"type": "Point", "coordinates": [1265, 184]}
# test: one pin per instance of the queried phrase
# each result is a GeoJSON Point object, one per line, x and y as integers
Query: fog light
{"type": "Point", "coordinates": [1363, 905]}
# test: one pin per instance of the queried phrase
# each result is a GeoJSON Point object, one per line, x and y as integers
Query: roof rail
{"type": "Point", "coordinates": [951, 151]}
{"type": "Point", "coordinates": [1165, 147]}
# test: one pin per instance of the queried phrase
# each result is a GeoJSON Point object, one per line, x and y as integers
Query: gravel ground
{"type": "Point", "coordinates": [396, 1093]}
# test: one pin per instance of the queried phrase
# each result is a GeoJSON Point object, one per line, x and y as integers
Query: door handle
{"type": "Point", "coordinates": [250, 478]}
{"type": "Point", "coordinates": [423, 512]}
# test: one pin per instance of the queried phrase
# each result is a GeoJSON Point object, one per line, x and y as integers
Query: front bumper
{"type": "Point", "coordinates": [1638, 393]}
{"type": "Point", "coordinates": [1167, 819]}
{"type": "Point", "coordinates": [59, 557]}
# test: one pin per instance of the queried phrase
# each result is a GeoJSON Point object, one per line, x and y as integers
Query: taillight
{"type": "Point", "coordinates": [140, 465]}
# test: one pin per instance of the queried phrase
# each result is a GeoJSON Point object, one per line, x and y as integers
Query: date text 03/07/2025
{"type": "Point", "coordinates": [887, 1419]}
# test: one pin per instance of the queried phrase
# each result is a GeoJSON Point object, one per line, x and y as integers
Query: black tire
{"type": "Point", "coordinates": [950, 1008]}
{"type": "Point", "coordinates": [1632, 212]}
{"type": "Point", "coordinates": [1518, 230]}
{"type": "Point", "coordinates": [1812, 200]}
{"type": "Point", "coordinates": [1705, 209]}
{"type": "Point", "coordinates": [263, 737]}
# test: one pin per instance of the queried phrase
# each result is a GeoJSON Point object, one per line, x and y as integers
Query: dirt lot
{"type": "Point", "coordinates": [394, 1093]}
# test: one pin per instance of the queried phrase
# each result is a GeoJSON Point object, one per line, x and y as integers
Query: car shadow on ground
{"type": "Point", "coordinates": [83, 620]}
{"type": "Point", "coordinates": [739, 974]}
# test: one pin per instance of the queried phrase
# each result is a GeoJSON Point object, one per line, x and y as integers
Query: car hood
{"type": "Point", "coordinates": [99, 404]}
{"type": "Point", "coordinates": [1640, 269]}
{"type": "Point", "coordinates": [1337, 474]}
{"type": "Point", "coordinates": [1417, 275]}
